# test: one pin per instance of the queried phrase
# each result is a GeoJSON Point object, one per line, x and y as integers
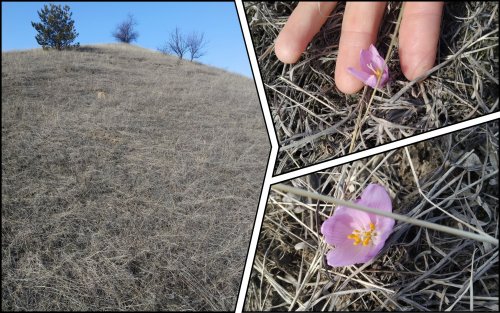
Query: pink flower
{"type": "Point", "coordinates": [373, 68]}
{"type": "Point", "coordinates": [358, 236]}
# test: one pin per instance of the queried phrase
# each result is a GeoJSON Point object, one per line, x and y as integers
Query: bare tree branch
{"type": "Point", "coordinates": [176, 44]}
{"type": "Point", "coordinates": [196, 44]}
{"type": "Point", "coordinates": [125, 31]}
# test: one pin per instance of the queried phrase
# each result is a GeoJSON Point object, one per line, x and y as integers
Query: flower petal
{"type": "Point", "coordinates": [359, 219]}
{"type": "Point", "coordinates": [365, 58]}
{"type": "Point", "coordinates": [379, 241]}
{"type": "Point", "coordinates": [337, 227]}
{"type": "Point", "coordinates": [379, 63]}
{"type": "Point", "coordinates": [349, 255]}
{"type": "Point", "coordinates": [374, 52]}
{"type": "Point", "coordinates": [345, 220]}
{"type": "Point", "coordinates": [375, 196]}
{"type": "Point", "coordinates": [385, 77]}
{"type": "Point", "coordinates": [367, 79]}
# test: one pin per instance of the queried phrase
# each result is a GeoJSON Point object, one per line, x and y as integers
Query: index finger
{"type": "Point", "coordinates": [418, 37]}
{"type": "Point", "coordinates": [304, 22]}
{"type": "Point", "coordinates": [359, 29]}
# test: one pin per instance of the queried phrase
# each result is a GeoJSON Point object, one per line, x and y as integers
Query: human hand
{"type": "Point", "coordinates": [418, 36]}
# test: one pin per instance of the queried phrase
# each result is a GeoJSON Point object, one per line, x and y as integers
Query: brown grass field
{"type": "Point", "coordinates": [130, 181]}
{"type": "Point", "coordinates": [315, 122]}
{"type": "Point", "coordinates": [419, 269]}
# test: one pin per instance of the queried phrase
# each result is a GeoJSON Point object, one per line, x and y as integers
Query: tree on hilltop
{"type": "Point", "coordinates": [125, 32]}
{"type": "Point", "coordinates": [56, 28]}
{"type": "Point", "coordinates": [176, 44]}
{"type": "Point", "coordinates": [180, 45]}
{"type": "Point", "coordinates": [196, 44]}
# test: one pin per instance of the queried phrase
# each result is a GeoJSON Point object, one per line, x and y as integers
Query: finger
{"type": "Point", "coordinates": [304, 22]}
{"type": "Point", "coordinates": [359, 30]}
{"type": "Point", "coordinates": [418, 37]}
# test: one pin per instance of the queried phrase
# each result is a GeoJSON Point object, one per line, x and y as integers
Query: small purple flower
{"type": "Point", "coordinates": [373, 68]}
{"type": "Point", "coordinates": [358, 236]}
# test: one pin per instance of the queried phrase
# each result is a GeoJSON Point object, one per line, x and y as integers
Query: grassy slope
{"type": "Point", "coordinates": [143, 199]}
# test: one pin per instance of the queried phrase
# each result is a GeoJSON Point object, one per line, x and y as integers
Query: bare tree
{"type": "Point", "coordinates": [176, 44]}
{"type": "Point", "coordinates": [196, 43]}
{"type": "Point", "coordinates": [125, 31]}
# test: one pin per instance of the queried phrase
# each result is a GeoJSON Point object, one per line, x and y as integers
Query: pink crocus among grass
{"type": "Point", "coordinates": [358, 236]}
{"type": "Point", "coordinates": [374, 72]}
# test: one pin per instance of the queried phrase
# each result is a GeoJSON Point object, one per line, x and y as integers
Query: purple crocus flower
{"type": "Point", "coordinates": [373, 68]}
{"type": "Point", "coordinates": [358, 236]}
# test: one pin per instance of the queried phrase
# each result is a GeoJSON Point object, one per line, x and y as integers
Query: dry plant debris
{"type": "Point", "coordinates": [130, 180]}
{"type": "Point", "coordinates": [315, 122]}
{"type": "Point", "coordinates": [418, 269]}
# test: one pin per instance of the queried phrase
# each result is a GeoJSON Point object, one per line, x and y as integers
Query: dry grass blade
{"type": "Point", "coordinates": [402, 218]}
{"type": "Point", "coordinates": [129, 180]}
{"type": "Point", "coordinates": [418, 269]}
{"type": "Point", "coordinates": [306, 106]}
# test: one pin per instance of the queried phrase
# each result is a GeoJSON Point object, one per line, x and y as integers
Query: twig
{"type": "Point", "coordinates": [437, 67]}
{"type": "Point", "coordinates": [399, 217]}
{"type": "Point", "coordinates": [430, 201]}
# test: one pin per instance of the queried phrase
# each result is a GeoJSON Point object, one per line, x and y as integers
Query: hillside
{"type": "Point", "coordinates": [130, 181]}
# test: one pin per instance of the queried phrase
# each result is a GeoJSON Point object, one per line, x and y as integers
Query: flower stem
{"type": "Point", "coordinates": [391, 45]}
{"type": "Point", "coordinates": [399, 217]}
{"type": "Point", "coordinates": [360, 120]}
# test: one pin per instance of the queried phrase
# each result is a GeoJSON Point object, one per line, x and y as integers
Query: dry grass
{"type": "Point", "coordinates": [418, 269]}
{"type": "Point", "coordinates": [129, 181]}
{"type": "Point", "coordinates": [315, 122]}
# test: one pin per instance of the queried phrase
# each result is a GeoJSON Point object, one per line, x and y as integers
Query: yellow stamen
{"type": "Point", "coordinates": [364, 237]}
{"type": "Point", "coordinates": [378, 72]}
{"type": "Point", "coordinates": [366, 241]}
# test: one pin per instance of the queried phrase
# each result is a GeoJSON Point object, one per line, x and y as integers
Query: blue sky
{"type": "Point", "coordinates": [95, 21]}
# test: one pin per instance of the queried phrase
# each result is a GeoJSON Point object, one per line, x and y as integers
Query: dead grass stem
{"type": "Point", "coordinates": [419, 268]}
{"type": "Point", "coordinates": [129, 180]}
{"type": "Point", "coordinates": [315, 122]}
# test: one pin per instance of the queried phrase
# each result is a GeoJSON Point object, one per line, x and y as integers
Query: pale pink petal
{"type": "Point", "coordinates": [367, 79]}
{"type": "Point", "coordinates": [376, 60]}
{"type": "Point", "coordinates": [379, 240]}
{"type": "Point", "coordinates": [370, 61]}
{"type": "Point", "coordinates": [345, 220]}
{"type": "Point", "coordinates": [375, 196]}
{"type": "Point", "coordinates": [385, 77]}
{"type": "Point", "coordinates": [373, 50]}
{"type": "Point", "coordinates": [365, 58]}
{"type": "Point", "coordinates": [359, 218]}
{"type": "Point", "coordinates": [379, 63]}
{"type": "Point", "coordinates": [337, 228]}
{"type": "Point", "coordinates": [384, 227]}
{"type": "Point", "coordinates": [349, 255]}
{"type": "Point", "coordinates": [361, 75]}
